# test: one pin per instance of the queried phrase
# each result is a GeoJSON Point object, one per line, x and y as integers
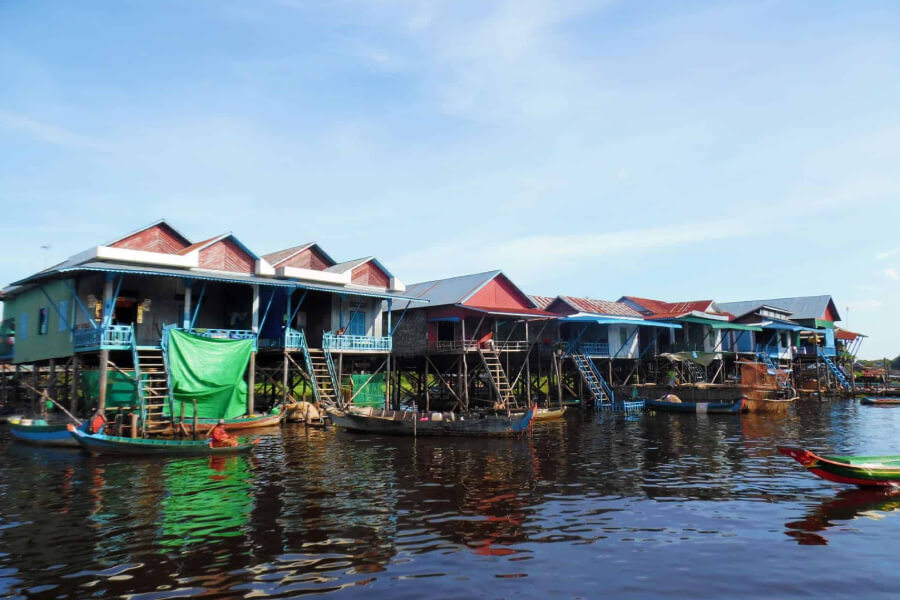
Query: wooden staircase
{"type": "Point", "coordinates": [498, 378]}
{"type": "Point", "coordinates": [154, 387]}
{"type": "Point", "coordinates": [322, 377]}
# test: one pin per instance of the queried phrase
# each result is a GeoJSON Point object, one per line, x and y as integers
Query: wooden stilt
{"type": "Point", "coordinates": [251, 384]}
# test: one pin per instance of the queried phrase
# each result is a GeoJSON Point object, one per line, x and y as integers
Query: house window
{"type": "Point", "coordinates": [63, 319]}
{"type": "Point", "coordinates": [22, 327]}
{"type": "Point", "coordinates": [43, 314]}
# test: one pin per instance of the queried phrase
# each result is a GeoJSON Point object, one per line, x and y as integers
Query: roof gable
{"type": "Point", "coordinates": [499, 292]}
{"type": "Point", "coordinates": [599, 307]}
{"type": "Point", "coordinates": [157, 237]}
{"type": "Point", "coordinates": [305, 256]}
{"type": "Point", "coordinates": [224, 253]}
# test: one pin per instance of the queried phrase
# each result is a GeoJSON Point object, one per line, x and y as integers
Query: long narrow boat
{"type": "Point", "coordinates": [733, 407]}
{"type": "Point", "coordinates": [110, 444]}
{"type": "Point", "coordinates": [863, 471]}
{"type": "Point", "coordinates": [408, 423]}
{"type": "Point", "coordinates": [891, 401]}
{"type": "Point", "coordinates": [41, 433]}
{"type": "Point", "coordinates": [545, 414]}
{"type": "Point", "coordinates": [204, 426]}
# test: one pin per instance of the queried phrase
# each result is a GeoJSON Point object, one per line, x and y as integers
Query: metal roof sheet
{"type": "Point", "coordinates": [600, 307]}
{"type": "Point", "coordinates": [800, 307]}
{"type": "Point", "coordinates": [619, 321]}
{"type": "Point", "coordinates": [452, 290]}
{"type": "Point", "coordinates": [353, 290]}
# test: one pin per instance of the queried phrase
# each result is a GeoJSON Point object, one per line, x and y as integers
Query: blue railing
{"type": "Point", "coordinates": [111, 337]}
{"type": "Point", "coordinates": [587, 348]}
{"type": "Point", "coordinates": [358, 343]}
{"type": "Point", "coordinates": [227, 334]}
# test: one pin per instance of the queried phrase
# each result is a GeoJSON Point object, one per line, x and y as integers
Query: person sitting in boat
{"type": "Point", "coordinates": [670, 397]}
{"type": "Point", "coordinates": [220, 437]}
{"type": "Point", "coordinates": [97, 423]}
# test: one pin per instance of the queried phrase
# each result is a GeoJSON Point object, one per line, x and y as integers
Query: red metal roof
{"type": "Point", "coordinates": [660, 309]}
{"type": "Point", "coordinates": [601, 307]}
{"type": "Point", "coordinates": [844, 334]}
{"type": "Point", "coordinates": [543, 301]}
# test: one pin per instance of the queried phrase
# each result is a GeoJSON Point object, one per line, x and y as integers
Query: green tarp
{"type": "Point", "coordinates": [120, 389]}
{"type": "Point", "coordinates": [369, 394]}
{"type": "Point", "coordinates": [210, 371]}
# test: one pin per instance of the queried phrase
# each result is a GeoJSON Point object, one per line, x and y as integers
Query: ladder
{"type": "Point", "coordinates": [601, 393]}
{"type": "Point", "coordinates": [696, 372]}
{"type": "Point", "coordinates": [153, 389]}
{"type": "Point", "coordinates": [321, 369]}
{"type": "Point", "coordinates": [498, 378]}
{"type": "Point", "coordinates": [837, 371]}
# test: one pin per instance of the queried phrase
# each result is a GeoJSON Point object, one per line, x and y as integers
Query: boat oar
{"type": "Point", "coordinates": [43, 394]}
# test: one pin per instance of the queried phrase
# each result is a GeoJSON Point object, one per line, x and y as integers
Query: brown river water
{"type": "Point", "coordinates": [658, 506]}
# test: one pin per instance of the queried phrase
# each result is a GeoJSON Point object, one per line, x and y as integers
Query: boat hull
{"type": "Point", "coordinates": [204, 426]}
{"type": "Point", "coordinates": [869, 471]}
{"type": "Point", "coordinates": [889, 401]}
{"type": "Point", "coordinates": [109, 444]}
{"type": "Point", "coordinates": [412, 424]}
{"type": "Point", "coordinates": [42, 435]}
{"type": "Point", "coordinates": [697, 407]}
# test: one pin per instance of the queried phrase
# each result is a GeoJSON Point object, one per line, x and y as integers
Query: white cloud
{"type": "Point", "coordinates": [45, 132]}
{"type": "Point", "coordinates": [865, 305]}
{"type": "Point", "coordinates": [892, 274]}
{"type": "Point", "coordinates": [531, 258]}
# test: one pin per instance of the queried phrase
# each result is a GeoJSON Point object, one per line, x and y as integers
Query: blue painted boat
{"type": "Point", "coordinates": [41, 433]}
{"type": "Point", "coordinates": [734, 407]}
{"type": "Point", "coordinates": [111, 444]}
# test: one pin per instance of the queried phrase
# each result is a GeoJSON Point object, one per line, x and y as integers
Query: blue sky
{"type": "Point", "coordinates": [675, 150]}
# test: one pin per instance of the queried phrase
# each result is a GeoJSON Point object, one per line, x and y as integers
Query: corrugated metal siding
{"type": "Point", "coordinates": [370, 274]}
{"type": "Point", "coordinates": [158, 238]}
{"type": "Point", "coordinates": [226, 255]}
{"type": "Point", "coordinates": [310, 258]}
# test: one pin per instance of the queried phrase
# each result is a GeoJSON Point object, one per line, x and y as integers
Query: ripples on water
{"type": "Point", "coordinates": [661, 506]}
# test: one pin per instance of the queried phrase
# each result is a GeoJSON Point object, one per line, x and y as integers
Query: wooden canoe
{"type": "Point", "coordinates": [881, 401]}
{"type": "Point", "coordinates": [41, 433]}
{"type": "Point", "coordinates": [863, 471]}
{"type": "Point", "coordinates": [391, 422]}
{"type": "Point", "coordinates": [204, 426]}
{"type": "Point", "coordinates": [733, 407]}
{"type": "Point", "coordinates": [110, 444]}
{"type": "Point", "coordinates": [545, 414]}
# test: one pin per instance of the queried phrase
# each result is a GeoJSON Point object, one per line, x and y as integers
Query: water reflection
{"type": "Point", "coordinates": [847, 505]}
{"type": "Point", "coordinates": [590, 499]}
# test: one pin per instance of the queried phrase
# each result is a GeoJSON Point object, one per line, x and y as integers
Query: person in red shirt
{"type": "Point", "coordinates": [220, 437]}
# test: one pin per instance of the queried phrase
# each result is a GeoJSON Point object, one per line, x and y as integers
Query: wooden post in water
{"type": "Point", "coordinates": [251, 383]}
{"type": "Point", "coordinates": [196, 419]}
{"type": "Point", "coordinates": [73, 386]}
{"type": "Point", "coordinates": [101, 393]}
{"type": "Point", "coordinates": [427, 388]}
{"type": "Point", "coordinates": [134, 425]}
{"type": "Point", "coordinates": [284, 379]}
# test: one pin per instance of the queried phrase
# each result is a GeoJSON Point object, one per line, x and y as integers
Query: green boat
{"type": "Point", "coordinates": [863, 471]}
{"type": "Point", "coordinates": [111, 444]}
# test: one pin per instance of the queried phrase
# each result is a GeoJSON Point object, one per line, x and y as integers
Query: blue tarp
{"type": "Point", "coordinates": [783, 326]}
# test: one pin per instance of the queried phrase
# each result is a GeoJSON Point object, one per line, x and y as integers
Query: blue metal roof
{"type": "Point", "coordinates": [800, 307]}
{"type": "Point", "coordinates": [622, 321]}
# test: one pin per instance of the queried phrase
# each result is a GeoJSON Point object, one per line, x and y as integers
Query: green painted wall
{"type": "Point", "coordinates": [25, 308]}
